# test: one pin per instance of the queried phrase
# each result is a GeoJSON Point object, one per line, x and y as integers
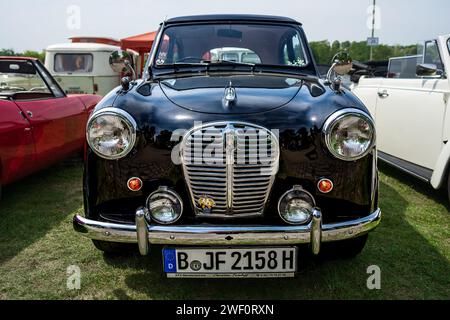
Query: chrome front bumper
{"type": "Point", "coordinates": [145, 233]}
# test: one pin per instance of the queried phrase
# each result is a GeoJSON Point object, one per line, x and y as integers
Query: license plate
{"type": "Point", "coordinates": [230, 262]}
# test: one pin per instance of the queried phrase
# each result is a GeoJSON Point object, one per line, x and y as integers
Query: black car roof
{"type": "Point", "coordinates": [231, 18]}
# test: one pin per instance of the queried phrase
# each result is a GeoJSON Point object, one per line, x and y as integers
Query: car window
{"type": "Point", "coordinates": [250, 43]}
{"type": "Point", "coordinates": [404, 67]}
{"type": "Point", "coordinates": [293, 51]}
{"type": "Point", "coordinates": [432, 55]}
{"type": "Point", "coordinates": [250, 57]}
{"type": "Point", "coordinates": [21, 76]}
{"type": "Point", "coordinates": [73, 62]}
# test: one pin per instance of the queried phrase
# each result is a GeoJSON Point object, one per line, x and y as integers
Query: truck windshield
{"type": "Point", "coordinates": [277, 45]}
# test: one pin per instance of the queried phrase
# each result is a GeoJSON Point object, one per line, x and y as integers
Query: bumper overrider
{"type": "Point", "coordinates": [143, 232]}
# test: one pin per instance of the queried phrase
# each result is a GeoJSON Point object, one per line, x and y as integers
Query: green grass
{"type": "Point", "coordinates": [37, 244]}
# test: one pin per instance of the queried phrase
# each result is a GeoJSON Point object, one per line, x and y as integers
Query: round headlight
{"type": "Point", "coordinates": [165, 206]}
{"type": "Point", "coordinates": [296, 206]}
{"type": "Point", "coordinates": [111, 133]}
{"type": "Point", "coordinates": [349, 134]}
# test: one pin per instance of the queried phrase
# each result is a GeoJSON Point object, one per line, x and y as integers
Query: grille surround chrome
{"type": "Point", "coordinates": [227, 182]}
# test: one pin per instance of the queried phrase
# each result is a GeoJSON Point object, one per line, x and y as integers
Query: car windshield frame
{"type": "Point", "coordinates": [309, 68]}
{"type": "Point", "coordinates": [51, 86]}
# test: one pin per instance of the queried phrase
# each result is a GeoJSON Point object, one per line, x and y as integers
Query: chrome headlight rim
{"type": "Point", "coordinates": [127, 119]}
{"type": "Point", "coordinates": [338, 116]}
{"type": "Point", "coordinates": [167, 190]}
{"type": "Point", "coordinates": [300, 189]}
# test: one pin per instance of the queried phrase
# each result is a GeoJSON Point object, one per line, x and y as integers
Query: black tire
{"type": "Point", "coordinates": [115, 248]}
{"type": "Point", "coordinates": [345, 249]}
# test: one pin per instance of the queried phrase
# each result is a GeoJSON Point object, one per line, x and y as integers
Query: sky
{"type": "Point", "coordinates": [35, 24]}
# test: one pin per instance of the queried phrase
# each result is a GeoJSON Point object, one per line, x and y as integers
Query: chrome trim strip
{"type": "Point", "coordinates": [316, 231]}
{"type": "Point", "coordinates": [142, 230]}
{"type": "Point", "coordinates": [229, 235]}
{"type": "Point", "coordinates": [401, 168]}
{"type": "Point", "coordinates": [334, 118]}
{"type": "Point", "coordinates": [230, 146]}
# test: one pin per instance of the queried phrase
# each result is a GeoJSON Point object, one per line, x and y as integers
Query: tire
{"type": "Point", "coordinates": [345, 249]}
{"type": "Point", "coordinates": [115, 248]}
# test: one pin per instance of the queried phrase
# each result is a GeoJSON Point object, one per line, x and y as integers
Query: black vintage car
{"type": "Point", "coordinates": [231, 151]}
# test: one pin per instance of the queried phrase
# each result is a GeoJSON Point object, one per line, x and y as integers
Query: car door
{"type": "Point", "coordinates": [58, 123]}
{"type": "Point", "coordinates": [410, 115]}
{"type": "Point", "coordinates": [16, 144]}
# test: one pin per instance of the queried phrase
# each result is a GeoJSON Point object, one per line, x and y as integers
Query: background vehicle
{"type": "Point", "coordinates": [83, 67]}
{"type": "Point", "coordinates": [39, 123]}
{"type": "Point", "coordinates": [241, 161]}
{"type": "Point", "coordinates": [410, 108]}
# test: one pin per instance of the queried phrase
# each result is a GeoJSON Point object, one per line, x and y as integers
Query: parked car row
{"type": "Point", "coordinates": [231, 150]}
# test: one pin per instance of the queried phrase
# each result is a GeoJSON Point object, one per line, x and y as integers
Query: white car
{"type": "Point", "coordinates": [410, 109]}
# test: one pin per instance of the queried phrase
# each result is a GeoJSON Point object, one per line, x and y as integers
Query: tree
{"type": "Point", "coordinates": [28, 53]}
{"type": "Point", "coordinates": [359, 50]}
{"type": "Point", "coordinates": [35, 54]}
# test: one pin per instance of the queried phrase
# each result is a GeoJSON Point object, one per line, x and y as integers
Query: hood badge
{"type": "Point", "coordinates": [229, 96]}
{"type": "Point", "coordinates": [206, 203]}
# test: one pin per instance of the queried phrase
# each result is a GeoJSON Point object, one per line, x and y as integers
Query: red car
{"type": "Point", "coordinates": [39, 123]}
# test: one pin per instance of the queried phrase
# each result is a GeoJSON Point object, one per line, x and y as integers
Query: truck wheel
{"type": "Point", "coordinates": [345, 249]}
{"type": "Point", "coordinates": [115, 248]}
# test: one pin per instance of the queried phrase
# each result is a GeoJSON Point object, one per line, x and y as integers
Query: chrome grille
{"type": "Point", "coordinates": [232, 163]}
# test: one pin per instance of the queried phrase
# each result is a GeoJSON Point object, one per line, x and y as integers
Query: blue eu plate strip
{"type": "Point", "coordinates": [170, 261]}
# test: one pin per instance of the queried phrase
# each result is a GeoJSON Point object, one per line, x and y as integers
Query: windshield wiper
{"type": "Point", "coordinates": [206, 65]}
{"type": "Point", "coordinates": [231, 62]}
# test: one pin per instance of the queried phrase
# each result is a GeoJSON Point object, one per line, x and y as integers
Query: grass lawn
{"type": "Point", "coordinates": [37, 244]}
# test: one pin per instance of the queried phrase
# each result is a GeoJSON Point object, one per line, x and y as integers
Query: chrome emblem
{"type": "Point", "coordinates": [229, 95]}
{"type": "Point", "coordinates": [206, 204]}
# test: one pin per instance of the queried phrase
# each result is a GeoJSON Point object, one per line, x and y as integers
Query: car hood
{"type": "Point", "coordinates": [252, 93]}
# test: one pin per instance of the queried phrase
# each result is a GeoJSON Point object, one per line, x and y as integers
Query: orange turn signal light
{"type": "Point", "coordinates": [325, 185]}
{"type": "Point", "coordinates": [134, 184]}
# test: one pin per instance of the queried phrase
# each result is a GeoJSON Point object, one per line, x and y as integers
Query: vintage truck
{"type": "Point", "coordinates": [410, 108]}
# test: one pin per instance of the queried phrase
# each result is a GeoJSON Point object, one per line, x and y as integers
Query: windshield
{"type": "Point", "coordinates": [73, 62]}
{"type": "Point", "coordinates": [20, 76]}
{"type": "Point", "coordinates": [276, 45]}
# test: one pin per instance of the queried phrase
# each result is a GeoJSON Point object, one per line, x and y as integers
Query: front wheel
{"type": "Point", "coordinates": [346, 248]}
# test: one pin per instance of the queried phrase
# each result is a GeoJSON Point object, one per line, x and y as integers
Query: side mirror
{"type": "Point", "coordinates": [427, 70]}
{"type": "Point", "coordinates": [121, 61]}
{"type": "Point", "coordinates": [342, 63]}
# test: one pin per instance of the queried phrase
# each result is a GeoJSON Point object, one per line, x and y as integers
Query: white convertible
{"type": "Point", "coordinates": [411, 110]}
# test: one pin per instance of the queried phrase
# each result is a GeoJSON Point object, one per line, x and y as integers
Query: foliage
{"type": "Point", "coordinates": [324, 50]}
{"type": "Point", "coordinates": [28, 53]}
